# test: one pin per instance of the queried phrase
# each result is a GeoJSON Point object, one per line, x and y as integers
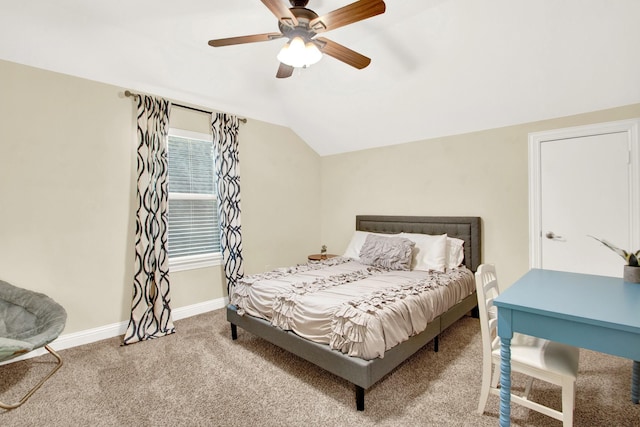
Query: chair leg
{"type": "Point", "coordinates": [486, 385]}
{"type": "Point", "coordinates": [496, 377]}
{"type": "Point", "coordinates": [568, 402]}
{"type": "Point", "coordinates": [37, 386]}
{"type": "Point", "coordinates": [527, 388]}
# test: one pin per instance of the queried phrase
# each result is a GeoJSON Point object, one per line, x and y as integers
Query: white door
{"type": "Point", "coordinates": [585, 185]}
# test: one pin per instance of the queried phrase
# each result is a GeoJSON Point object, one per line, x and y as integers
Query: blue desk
{"type": "Point", "coordinates": [594, 312]}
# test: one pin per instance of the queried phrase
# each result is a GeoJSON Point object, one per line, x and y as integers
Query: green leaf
{"type": "Point", "coordinates": [630, 257]}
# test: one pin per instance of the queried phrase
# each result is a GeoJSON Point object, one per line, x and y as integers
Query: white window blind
{"type": "Point", "coordinates": [194, 234]}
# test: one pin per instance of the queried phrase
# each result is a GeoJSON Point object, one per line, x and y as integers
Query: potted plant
{"type": "Point", "coordinates": [323, 252]}
{"type": "Point", "coordinates": [632, 269]}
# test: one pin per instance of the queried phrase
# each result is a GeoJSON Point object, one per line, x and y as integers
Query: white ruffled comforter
{"type": "Point", "coordinates": [357, 309]}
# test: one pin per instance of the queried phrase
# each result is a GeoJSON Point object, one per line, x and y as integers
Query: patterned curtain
{"type": "Point", "coordinates": [225, 146]}
{"type": "Point", "coordinates": [150, 311]}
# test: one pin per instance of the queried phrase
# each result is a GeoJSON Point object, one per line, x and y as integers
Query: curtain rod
{"type": "Point", "coordinates": [128, 93]}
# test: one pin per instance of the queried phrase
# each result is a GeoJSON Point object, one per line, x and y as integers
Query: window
{"type": "Point", "coordinates": [194, 230]}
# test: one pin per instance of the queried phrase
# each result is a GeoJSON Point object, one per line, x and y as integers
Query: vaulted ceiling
{"type": "Point", "coordinates": [439, 67]}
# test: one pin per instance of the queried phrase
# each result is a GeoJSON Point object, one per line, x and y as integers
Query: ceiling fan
{"type": "Point", "coordinates": [301, 25]}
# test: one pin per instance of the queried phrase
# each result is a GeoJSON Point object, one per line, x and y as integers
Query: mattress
{"type": "Point", "coordinates": [360, 310]}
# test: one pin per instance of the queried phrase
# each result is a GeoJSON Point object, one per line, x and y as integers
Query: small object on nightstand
{"type": "Point", "coordinates": [322, 255]}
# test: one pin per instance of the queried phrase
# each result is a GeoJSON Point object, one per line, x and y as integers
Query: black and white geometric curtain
{"type": "Point", "coordinates": [150, 310]}
{"type": "Point", "coordinates": [225, 146]}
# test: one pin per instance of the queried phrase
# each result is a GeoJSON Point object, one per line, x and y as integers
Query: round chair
{"type": "Point", "coordinates": [28, 321]}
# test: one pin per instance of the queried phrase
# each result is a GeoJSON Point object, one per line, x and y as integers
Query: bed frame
{"type": "Point", "coordinates": [364, 373]}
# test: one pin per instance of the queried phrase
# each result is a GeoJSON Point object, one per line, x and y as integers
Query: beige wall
{"type": "Point", "coordinates": [478, 174]}
{"type": "Point", "coordinates": [280, 197]}
{"type": "Point", "coordinates": [67, 196]}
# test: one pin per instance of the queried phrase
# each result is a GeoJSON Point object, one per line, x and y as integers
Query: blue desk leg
{"type": "Point", "coordinates": [635, 380]}
{"type": "Point", "coordinates": [505, 382]}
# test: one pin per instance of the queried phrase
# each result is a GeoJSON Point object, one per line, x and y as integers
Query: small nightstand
{"type": "Point", "coordinates": [320, 257]}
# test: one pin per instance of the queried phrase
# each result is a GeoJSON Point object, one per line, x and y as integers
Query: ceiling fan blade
{"type": "Point", "coordinates": [284, 71]}
{"type": "Point", "coordinates": [281, 11]}
{"type": "Point", "coordinates": [342, 53]}
{"type": "Point", "coordinates": [245, 39]}
{"type": "Point", "coordinates": [349, 14]}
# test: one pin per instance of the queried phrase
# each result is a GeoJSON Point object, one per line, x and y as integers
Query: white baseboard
{"type": "Point", "coordinates": [116, 329]}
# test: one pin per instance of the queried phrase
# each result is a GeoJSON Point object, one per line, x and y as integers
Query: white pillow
{"type": "Point", "coordinates": [430, 252]}
{"type": "Point", "coordinates": [355, 245]}
{"type": "Point", "coordinates": [455, 252]}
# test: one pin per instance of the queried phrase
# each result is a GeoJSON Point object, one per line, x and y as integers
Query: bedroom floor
{"type": "Point", "coordinates": [199, 377]}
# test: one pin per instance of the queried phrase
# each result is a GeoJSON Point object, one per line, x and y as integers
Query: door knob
{"type": "Point", "coordinates": [552, 236]}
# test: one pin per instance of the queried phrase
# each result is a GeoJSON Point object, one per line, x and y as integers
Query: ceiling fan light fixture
{"type": "Point", "coordinates": [297, 53]}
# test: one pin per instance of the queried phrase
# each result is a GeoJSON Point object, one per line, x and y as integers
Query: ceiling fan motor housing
{"type": "Point", "coordinates": [304, 16]}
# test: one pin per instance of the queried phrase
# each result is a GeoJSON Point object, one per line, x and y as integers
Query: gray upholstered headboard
{"type": "Point", "coordinates": [466, 228]}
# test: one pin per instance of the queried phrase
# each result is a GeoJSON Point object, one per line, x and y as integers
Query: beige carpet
{"type": "Point", "coordinates": [200, 377]}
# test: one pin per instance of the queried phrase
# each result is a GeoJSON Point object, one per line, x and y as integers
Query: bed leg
{"type": "Point", "coordinates": [234, 332]}
{"type": "Point", "coordinates": [475, 312]}
{"type": "Point", "coordinates": [436, 343]}
{"type": "Point", "coordinates": [359, 398]}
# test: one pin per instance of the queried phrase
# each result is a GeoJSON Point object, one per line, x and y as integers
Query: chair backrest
{"type": "Point", "coordinates": [487, 290]}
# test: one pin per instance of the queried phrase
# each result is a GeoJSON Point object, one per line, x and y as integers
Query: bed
{"type": "Point", "coordinates": [365, 371]}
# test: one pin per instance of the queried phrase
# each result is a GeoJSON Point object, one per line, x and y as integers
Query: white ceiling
{"type": "Point", "coordinates": [439, 67]}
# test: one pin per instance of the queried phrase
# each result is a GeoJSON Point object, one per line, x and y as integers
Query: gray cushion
{"type": "Point", "coordinates": [28, 320]}
{"type": "Point", "coordinates": [388, 252]}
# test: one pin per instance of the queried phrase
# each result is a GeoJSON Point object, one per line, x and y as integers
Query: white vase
{"type": "Point", "coordinates": [631, 274]}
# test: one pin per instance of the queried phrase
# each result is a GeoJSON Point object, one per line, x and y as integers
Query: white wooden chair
{"type": "Point", "coordinates": [549, 361]}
